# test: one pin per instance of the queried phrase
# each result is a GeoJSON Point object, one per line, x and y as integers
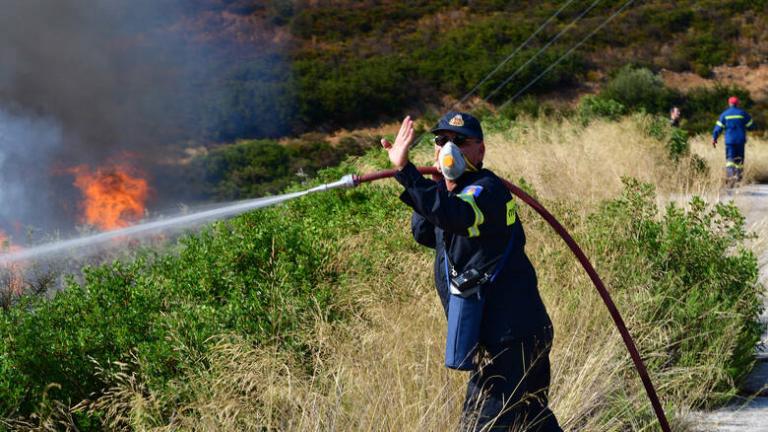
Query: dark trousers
{"type": "Point", "coordinates": [734, 161]}
{"type": "Point", "coordinates": [508, 389]}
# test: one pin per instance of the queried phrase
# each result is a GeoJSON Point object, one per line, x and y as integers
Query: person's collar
{"type": "Point", "coordinates": [467, 178]}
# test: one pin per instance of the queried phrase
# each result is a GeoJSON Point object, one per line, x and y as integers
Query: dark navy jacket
{"type": "Point", "coordinates": [476, 225]}
{"type": "Point", "coordinates": [735, 121]}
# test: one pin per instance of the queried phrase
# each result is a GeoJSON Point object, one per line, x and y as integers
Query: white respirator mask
{"type": "Point", "coordinates": [452, 161]}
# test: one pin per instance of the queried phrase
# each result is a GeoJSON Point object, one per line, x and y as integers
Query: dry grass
{"type": "Point", "coordinates": [567, 161]}
{"type": "Point", "coordinates": [383, 370]}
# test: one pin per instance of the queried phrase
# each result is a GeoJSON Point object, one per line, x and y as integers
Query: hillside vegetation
{"type": "Point", "coordinates": [249, 168]}
{"type": "Point", "coordinates": [342, 63]}
{"type": "Point", "coordinates": [320, 314]}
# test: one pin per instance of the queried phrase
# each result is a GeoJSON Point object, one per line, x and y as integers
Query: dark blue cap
{"type": "Point", "coordinates": [459, 122]}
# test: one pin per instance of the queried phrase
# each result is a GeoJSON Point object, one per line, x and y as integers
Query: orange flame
{"type": "Point", "coordinates": [113, 197]}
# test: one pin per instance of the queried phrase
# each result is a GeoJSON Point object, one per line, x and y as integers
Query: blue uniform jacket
{"type": "Point", "coordinates": [476, 225]}
{"type": "Point", "coordinates": [735, 121]}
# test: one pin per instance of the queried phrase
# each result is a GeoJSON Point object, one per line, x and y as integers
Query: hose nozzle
{"type": "Point", "coordinates": [347, 182]}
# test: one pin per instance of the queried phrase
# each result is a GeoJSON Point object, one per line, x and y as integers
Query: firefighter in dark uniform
{"type": "Point", "coordinates": [735, 122]}
{"type": "Point", "coordinates": [501, 330]}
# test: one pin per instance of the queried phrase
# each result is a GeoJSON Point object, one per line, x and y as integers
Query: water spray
{"type": "Point", "coordinates": [350, 181]}
{"type": "Point", "coordinates": [83, 244]}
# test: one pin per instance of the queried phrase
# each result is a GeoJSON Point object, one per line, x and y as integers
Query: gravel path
{"type": "Point", "coordinates": [748, 414]}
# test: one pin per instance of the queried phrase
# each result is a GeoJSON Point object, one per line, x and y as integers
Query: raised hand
{"type": "Point", "coordinates": [398, 152]}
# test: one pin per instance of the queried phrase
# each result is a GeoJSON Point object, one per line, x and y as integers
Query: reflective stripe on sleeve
{"type": "Point", "coordinates": [511, 212]}
{"type": "Point", "coordinates": [719, 123]}
{"type": "Point", "coordinates": [474, 230]}
{"type": "Point", "coordinates": [749, 123]}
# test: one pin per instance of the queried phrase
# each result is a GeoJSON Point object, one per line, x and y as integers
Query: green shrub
{"type": "Point", "coordinates": [246, 169]}
{"type": "Point", "coordinates": [254, 98]}
{"type": "Point", "coordinates": [336, 22]}
{"type": "Point", "coordinates": [254, 168]}
{"type": "Point", "coordinates": [342, 92]}
{"type": "Point", "coordinates": [530, 106]}
{"type": "Point", "coordinates": [705, 48]}
{"type": "Point", "coordinates": [678, 146]}
{"type": "Point", "coordinates": [591, 107]}
{"type": "Point", "coordinates": [693, 273]}
{"type": "Point", "coordinates": [638, 88]}
{"type": "Point", "coordinates": [656, 127]}
{"type": "Point", "coordinates": [339, 88]}
{"type": "Point", "coordinates": [353, 63]}
{"type": "Point", "coordinates": [659, 128]}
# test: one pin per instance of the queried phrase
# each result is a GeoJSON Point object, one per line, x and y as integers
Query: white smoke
{"type": "Point", "coordinates": [85, 82]}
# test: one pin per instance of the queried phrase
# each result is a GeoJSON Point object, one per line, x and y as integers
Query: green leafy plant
{"type": "Point", "coordinates": [252, 168]}
{"type": "Point", "coordinates": [678, 146]}
{"type": "Point", "coordinates": [638, 88]}
{"type": "Point", "coordinates": [591, 107]}
{"type": "Point", "coordinates": [701, 280]}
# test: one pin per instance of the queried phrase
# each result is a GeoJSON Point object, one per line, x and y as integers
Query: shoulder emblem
{"type": "Point", "coordinates": [473, 190]}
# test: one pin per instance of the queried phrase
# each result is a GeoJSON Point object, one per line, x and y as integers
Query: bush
{"type": "Point", "coordinates": [342, 92]}
{"type": "Point", "coordinates": [591, 107]}
{"type": "Point", "coordinates": [347, 64]}
{"type": "Point", "coordinates": [678, 146]}
{"type": "Point", "coordinates": [255, 168]}
{"type": "Point", "coordinates": [706, 48]}
{"type": "Point", "coordinates": [530, 106]}
{"type": "Point", "coordinates": [245, 169]}
{"type": "Point", "coordinates": [693, 274]}
{"type": "Point", "coordinates": [638, 89]}
{"type": "Point", "coordinates": [656, 127]}
{"type": "Point", "coordinates": [674, 138]}
{"type": "Point", "coordinates": [254, 98]}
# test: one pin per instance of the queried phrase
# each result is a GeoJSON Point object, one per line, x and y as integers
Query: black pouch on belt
{"type": "Point", "coordinates": [468, 282]}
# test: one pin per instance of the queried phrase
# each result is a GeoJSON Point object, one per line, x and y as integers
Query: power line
{"type": "Point", "coordinates": [502, 63]}
{"type": "Point", "coordinates": [514, 53]}
{"type": "Point", "coordinates": [597, 29]}
{"type": "Point", "coordinates": [542, 49]}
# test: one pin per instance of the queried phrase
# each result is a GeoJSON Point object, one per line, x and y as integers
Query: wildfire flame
{"type": "Point", "coordinates": [114, 196]}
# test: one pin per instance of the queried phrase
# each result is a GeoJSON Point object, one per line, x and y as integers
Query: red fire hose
{"type": "Point", "coordinates": [628, 342]}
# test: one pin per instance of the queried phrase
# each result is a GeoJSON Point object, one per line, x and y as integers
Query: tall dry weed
{"type": "Point", "coordinates": [562, 159]}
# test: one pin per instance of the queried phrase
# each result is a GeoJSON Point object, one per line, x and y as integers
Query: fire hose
{"type": "Point", "coordinates": [352, 181]}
